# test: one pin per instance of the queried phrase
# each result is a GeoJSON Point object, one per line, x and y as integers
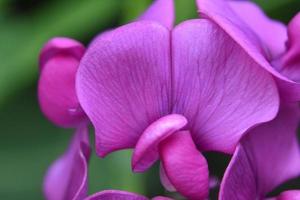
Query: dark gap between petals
{"type": "Point", "coordinates": [292, 184]}
{"type": "Point", "coordinates": [217, 164]}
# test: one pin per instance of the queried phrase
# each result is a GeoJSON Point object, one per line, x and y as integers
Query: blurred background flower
{"type": "Point", "coordinates": [30, 143]}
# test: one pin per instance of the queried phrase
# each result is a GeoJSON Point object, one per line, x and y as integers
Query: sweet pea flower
{"type": "Point", "coordinates": [173, 93]}
{"type": "Point", "coordinates": [269, 154]}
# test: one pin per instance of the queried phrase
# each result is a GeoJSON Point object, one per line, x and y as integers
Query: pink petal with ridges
{"type": "Point", "coordinates": [185, 166]}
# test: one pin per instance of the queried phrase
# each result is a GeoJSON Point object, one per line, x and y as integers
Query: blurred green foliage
{"type": "Point", "coordinates": [29, 143]}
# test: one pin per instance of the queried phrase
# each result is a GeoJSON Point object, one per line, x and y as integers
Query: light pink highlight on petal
{"type": "Point", "coordinates": [60, 46]}
{"type": "Point", "coordinates": [146, 150]}
{"type": "Point", "coordinates": [161, 11]}
{"type": "Point", "coordinates": [115, 195]}
{"type": "Point", "coordinates": [185, 166]}
{"type": "Point", "coordinates": [289, 195]}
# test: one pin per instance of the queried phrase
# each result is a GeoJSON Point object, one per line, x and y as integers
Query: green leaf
{"type": "Point", "coordinates": [132, 9]}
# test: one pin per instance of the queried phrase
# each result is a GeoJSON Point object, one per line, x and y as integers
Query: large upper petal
{"type": "Point", "coordinates": [161, 11]}
{"type": "Point", "coordinates": [220, 12]}
{"type": "Point", "coordinates": [123, 83]}
{"type": "Point", "coordinates": [59, 61]}
{"type": "Point", "coordinates": [272, 33]}
{"type": "Point", "coordinates": [217, 86]}
{"type": "Point", "coordinates": [267, 156]}
{"type": "Point", "coordinates": [67, 176]}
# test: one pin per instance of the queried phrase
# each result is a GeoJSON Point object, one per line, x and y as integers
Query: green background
{"type": "Point", "coordinates": [29, 143]}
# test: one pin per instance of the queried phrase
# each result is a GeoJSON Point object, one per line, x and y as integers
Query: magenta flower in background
{"type": "Point", "coordinates": [169, 93]}
{"type": "Point", "coordinates": [59, 61]}
{"type": "Point", "coordinates": [269, 154]}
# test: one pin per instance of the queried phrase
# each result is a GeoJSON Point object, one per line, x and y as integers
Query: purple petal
{"type": "Point", "coordinates": [115, 195]}
{"type": "Point", "coordinates": [146, 149]}
{"type": "Point", "coordinates": [218, 87]}
{"type": "Point", "coordinates": [273, 34]}
{"type": "Point", "coordinates": [67, 177]}
{"type": "Point", "coordinates": [221, 13]}
{"type": "Point", "coordinates": [268, 155]}
{"type": "Point", "coordinates": [289, 63]}
{"type": "Point", "coordinates": [161, 11]}
{"type": "Point", "coordinates": [56, 89]}
{"type": "Point", "coordinates": [184, 165]}
{"type": "Point", "coordinates": [123, 83]}
{"type": "Point", "coordinates": [289, 195]}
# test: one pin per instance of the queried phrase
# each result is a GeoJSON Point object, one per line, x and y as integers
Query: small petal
{"type": "Point", "coordinates": [161, 11]}
{"type": "Point", "coordinates": [289, 195]}
{"type": "Point", "coordinates": [184, 165]}
{"type": "Point", "coordinates": [115, 195]}
{"type": "Point", "coordinates": [219, 12]}
{"type": "Point", "coordinates": [267, 156]}
{"type": "Point", "coordinates": [56, 88]}
{"type": "Point", "coordinates": [146, 149]}
{"type": "Point", "coordinates": [273, 34]}
{"type": "Point", "coordinates": [61, 46]}
{"type": "Point", "coordinates": [123, 83]}
{"type": "Point", "coordinates": [67, 177]}
{"type": "Point", "coordinates": [219, 89]}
